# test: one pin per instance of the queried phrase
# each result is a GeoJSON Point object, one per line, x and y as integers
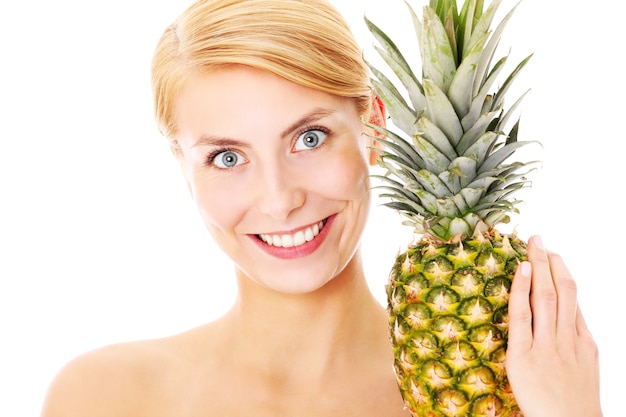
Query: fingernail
{"type": "Point", "coordinates": [525, 268]}
{"type": "Point", "coordinates": [538, 242]}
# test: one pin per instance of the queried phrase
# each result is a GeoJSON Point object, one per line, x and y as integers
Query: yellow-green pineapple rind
{"type": "Point", "coordinates": [447, 305]}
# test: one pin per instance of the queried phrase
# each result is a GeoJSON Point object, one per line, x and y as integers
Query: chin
{"type": "Point", "coordinates": [296, 281]}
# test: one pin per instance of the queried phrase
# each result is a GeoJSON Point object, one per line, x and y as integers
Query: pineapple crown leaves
{"type": "Point", "coordinates": [447, 169]}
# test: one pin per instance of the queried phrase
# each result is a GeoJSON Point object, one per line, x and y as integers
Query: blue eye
{"type": "Point", "coordinates": [310, 139]}
{"type": "Point", "coordinates": [227, 159]}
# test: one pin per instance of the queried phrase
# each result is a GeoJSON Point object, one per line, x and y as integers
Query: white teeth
{"type": "Point", "coordinates": [287, 241]}
{"type": "Point", "coordinates": [296, 239]}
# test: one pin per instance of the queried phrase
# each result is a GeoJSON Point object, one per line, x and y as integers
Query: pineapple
{"type": "Point", "coordinates": [448, 171]}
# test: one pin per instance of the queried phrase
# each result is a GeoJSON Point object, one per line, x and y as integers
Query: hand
{"type": "Point", "coordinates": [552, 359]}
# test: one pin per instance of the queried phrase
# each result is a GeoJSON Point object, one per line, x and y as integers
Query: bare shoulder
{"type": "Point", "coordinates": [100, 382]}
{"type": "Point", "coordinates": [126, 379]}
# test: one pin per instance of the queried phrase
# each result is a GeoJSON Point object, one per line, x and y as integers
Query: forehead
{"type": "Point", "coordinates": [230, 99]}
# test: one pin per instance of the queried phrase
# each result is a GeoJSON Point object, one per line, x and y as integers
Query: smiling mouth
{"type": "Point", "coordinates": [289, 240]}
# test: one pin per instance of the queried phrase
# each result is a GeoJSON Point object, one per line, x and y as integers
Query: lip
{"type": "Point", "coordinates": [300, 251]}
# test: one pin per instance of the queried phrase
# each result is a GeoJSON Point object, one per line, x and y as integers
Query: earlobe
{"type": "Point", "coordinates": [378, 117]}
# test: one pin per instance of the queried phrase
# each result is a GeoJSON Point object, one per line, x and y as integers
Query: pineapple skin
{"type": "Point", "coordinates": [448, 322]}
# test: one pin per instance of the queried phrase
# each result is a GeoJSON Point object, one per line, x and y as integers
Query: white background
{"type": "Point", "coordinates": [99, 241]}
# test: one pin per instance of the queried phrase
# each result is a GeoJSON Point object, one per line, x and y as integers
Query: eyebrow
{"type": "Point", "coordinates": [312, 116]}
{"type": "Point", "coordinates": [220, 141]}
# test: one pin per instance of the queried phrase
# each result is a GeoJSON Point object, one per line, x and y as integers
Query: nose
{"type": "Point", "coordinates": [280, 191]}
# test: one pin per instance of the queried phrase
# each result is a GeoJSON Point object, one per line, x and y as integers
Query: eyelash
{"type": "Point", "coordinates": [211, 157]}
{"type": "Point", "coordinates": [308, 128]}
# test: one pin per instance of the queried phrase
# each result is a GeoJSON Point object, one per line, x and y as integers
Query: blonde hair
{"type": "Point", "coordinates": [304, 41]}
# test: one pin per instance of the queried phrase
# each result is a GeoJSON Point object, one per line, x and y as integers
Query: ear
{"type": "Point", "coordinates": [378, 117]}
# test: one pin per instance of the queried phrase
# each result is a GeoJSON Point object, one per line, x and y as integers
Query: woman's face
{"type": "Point", "coordinates": [279, 173]}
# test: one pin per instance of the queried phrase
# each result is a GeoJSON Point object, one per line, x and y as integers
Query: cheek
{"type": "Point", "coordinates": [342, 178]}
{"type": "Point", "coordinates": [349, 175]}
{"type": "Point", "coordinates": [219, 203]}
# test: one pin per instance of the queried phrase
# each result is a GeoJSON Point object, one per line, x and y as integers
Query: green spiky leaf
{"type": "Point", "coordinates": [449, 159]}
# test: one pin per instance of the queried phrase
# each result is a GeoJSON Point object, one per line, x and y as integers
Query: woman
{"type": "Point", "coordinates": [263, 102]}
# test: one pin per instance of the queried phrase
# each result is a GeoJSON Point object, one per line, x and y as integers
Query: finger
{"type": "Point", "coordinates": [543, 296]}
{"type": "Point", "coordinates": [567, 305]}
{"type": "Point", "coordinates": [587, 347]}
{"type": "Point", "coordinates": [581, 324]}
{"type": "Point", "coordinates": [520, 314]}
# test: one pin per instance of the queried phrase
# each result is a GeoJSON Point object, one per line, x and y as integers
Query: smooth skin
{"type": "Point", "coordinates": [305, 337]}
{"type": "Point", "coordinates": [552, 359]}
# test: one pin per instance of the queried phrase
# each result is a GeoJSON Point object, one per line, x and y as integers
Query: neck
{"type": "Point", "coordinates": [310, 334]}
